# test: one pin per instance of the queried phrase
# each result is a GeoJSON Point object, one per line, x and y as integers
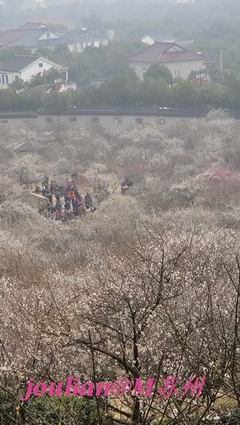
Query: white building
{"type": "Point", "coordinates": [24, 67]}
{"type": "Point", "coordinates": [78, 41]}
{"type": "Point", "coordinates": [178, 59]}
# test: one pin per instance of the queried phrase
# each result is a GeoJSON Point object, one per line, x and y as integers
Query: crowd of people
{"type": "Point", "coordinates": [64, 202]}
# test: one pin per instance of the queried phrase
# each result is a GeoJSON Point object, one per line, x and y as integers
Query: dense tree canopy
{"type": "Point", "coordinates": [147, 285]}
{"type": "Point", "coordinates": [118, 85]}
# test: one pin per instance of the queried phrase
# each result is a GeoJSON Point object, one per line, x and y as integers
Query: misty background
{"type": "Point", "coordinates": [182, 17]}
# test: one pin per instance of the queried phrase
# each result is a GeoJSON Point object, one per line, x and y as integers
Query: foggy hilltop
{"type": "Point", "coordinates": [73, 12]}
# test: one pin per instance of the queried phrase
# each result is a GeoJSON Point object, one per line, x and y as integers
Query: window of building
{"type": "Point", "coordinates": [3, 79]}
{"type": "Point", "coordinates": [49, 119]}
{"type": "Point", "coordinates": [40, 65]}
{"type": "Point", "coordinates": [139, 120]}
{"type": "Point", "coordinates": [73, 119]}
{"type": "Point", "coordinates": [7, 79]}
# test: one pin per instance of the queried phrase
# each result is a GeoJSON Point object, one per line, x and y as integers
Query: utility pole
{"type": "Point", "coordinates": [221, 60]}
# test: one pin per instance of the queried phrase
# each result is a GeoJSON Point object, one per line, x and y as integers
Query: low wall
{"type": "Point", "coordinates": [108, 123]}
{"type": "Point", "coordinates": [115, 119]}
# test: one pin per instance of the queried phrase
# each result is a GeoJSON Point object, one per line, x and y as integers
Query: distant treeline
{"type": "Point", "coordinates": [120, 86]}
{"type": "Point", "coordinates": [125, 91]}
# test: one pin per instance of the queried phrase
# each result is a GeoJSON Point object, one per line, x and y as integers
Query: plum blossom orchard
{"type": "Point", "coordinates": [149, 285]}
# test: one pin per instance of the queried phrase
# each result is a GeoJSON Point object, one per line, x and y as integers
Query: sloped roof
{"type": "Point", "coordinates": [39, 25]}
{"type": "Point", "coordinates": [28, 38]}
{"type": "Point", "coordinates": [61, 41]}
{"type": "Point", "coordinates": [28, 147]}
{"type": "Point", "coordinates": [17, 63]}
{"type": "Point", "coordinates": [29, 34]}
{"type": "Point", "coordinates": [163, 52]}
{"type": "Point", "coordinates": [33, 25]}
{"type": "Point", "coordinates": [10, 36]}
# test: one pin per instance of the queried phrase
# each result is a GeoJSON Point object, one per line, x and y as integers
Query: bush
{"type": "Point", "coordinates": [50, 411]}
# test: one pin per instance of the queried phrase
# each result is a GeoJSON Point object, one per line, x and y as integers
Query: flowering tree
{"type": "Point", "coordinates": [158, 306]}
{"type": "Point", "coordinates": [146, 287]}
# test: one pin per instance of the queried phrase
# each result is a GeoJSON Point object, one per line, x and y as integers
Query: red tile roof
{"type": "Point", "coordinates": [163, 52]}
{"type": "Point", "coordinates": [10, 35]}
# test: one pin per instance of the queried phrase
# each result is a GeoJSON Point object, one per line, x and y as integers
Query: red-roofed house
{"type": "Point", "coordinates": [179, 60]}
{"type": "Point", "coordinates": [29, 36]}
{"type": "Point", "coordinates": [9, 36]}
